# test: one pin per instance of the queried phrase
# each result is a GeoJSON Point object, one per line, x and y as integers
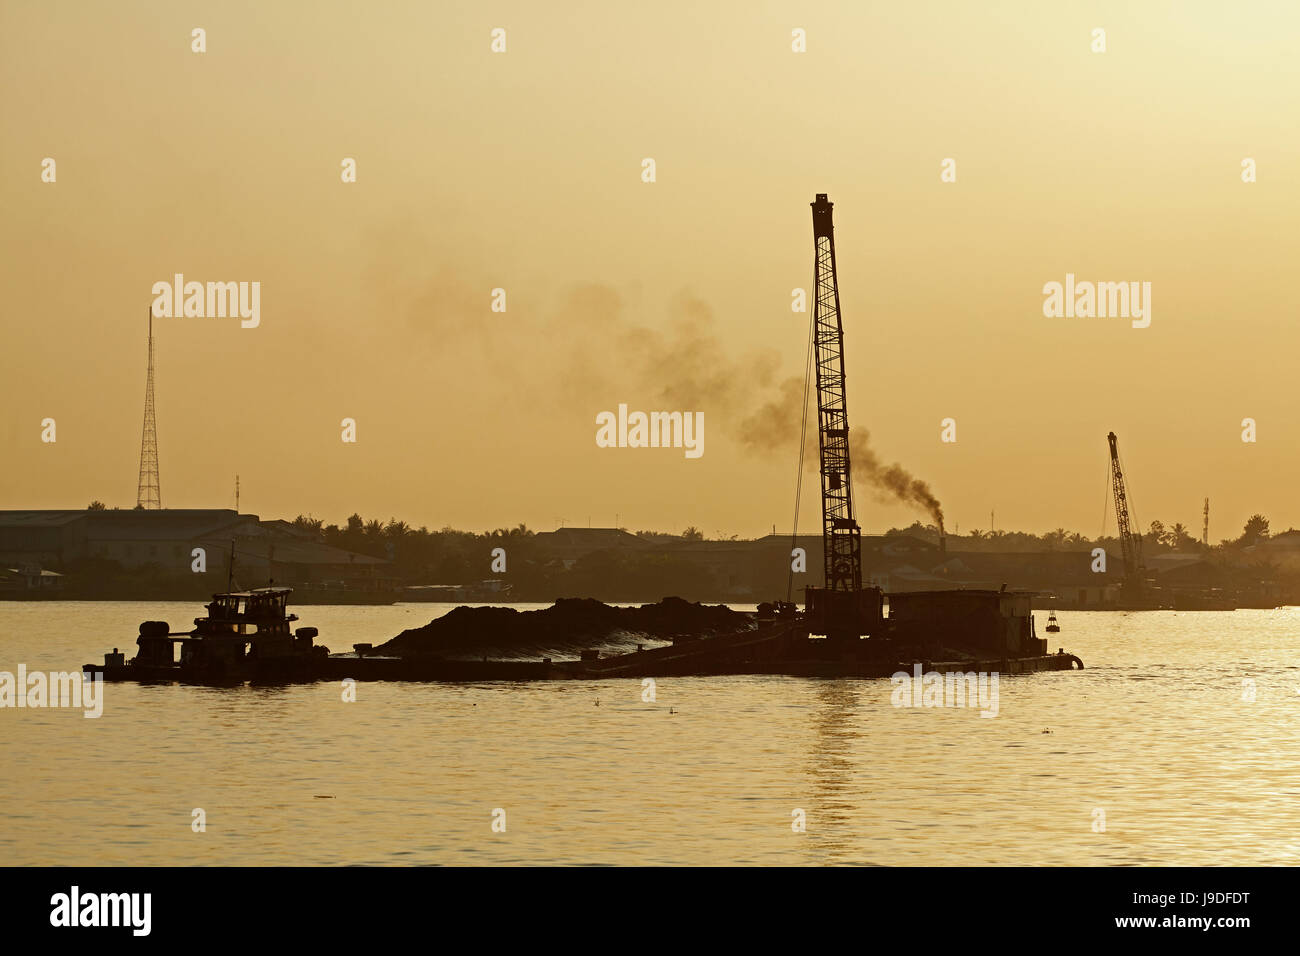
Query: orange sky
{"type": "Point", "coordinates": [522, 171]}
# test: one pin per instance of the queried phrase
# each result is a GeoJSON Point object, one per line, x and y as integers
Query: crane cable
{"type": "Point", "coordinates": [803, 436]}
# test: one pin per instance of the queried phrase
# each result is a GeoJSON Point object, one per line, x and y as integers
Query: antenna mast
{"type": "Point", "coordinates": [147, 494]}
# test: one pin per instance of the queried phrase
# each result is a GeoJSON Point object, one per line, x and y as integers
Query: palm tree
{"type": "Point", "coordinates": [1176, 535]}
{"type": "Point", "coordinates": [1256, 528]}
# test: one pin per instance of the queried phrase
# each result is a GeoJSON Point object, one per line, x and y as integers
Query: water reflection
{"type": "Point", "coordinates": [1155, 731]}
{"type": "Point", "coordinates": [841, 782]}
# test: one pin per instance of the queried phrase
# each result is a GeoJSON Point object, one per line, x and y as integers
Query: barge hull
{"type": "Point", "coordinates": [641, 666]}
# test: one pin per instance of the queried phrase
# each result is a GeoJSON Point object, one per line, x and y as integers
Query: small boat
{"type": "Point", "coordinates": [1052, 626]}
{"type": "Point", "coordinates": [246, 635]}
{"type": "Point", "coordinates": [484, 592]}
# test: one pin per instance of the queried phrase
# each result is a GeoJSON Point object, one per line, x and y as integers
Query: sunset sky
{"type": "Point", "coordinates": [522, 170]}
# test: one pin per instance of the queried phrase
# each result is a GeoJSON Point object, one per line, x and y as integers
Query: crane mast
{"type": "Point", "coordinates": [1130, 542]}
{"type": "Point", "coordinates": [842, 609]}
{"type": "Point", "coordinates": [841, 536]}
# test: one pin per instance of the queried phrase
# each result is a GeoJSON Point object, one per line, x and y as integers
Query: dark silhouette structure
{"type": "Point", "coordinates": [147, 493]}
{"type": "Point", "coordinates": [842, 536]}
{"type": "Point", "coordinates": [841, 610]}
{"type": "Point", "coordinates": [1130, 541]}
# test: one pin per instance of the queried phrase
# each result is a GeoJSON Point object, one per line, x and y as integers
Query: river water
{"type": "Point", "coordinates": [1155, 754]}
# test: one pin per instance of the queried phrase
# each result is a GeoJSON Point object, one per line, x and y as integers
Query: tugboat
{"type": "Point", "coordinates": [246, 636]}
{"type": "Point", "coordinates": [1052, 626]}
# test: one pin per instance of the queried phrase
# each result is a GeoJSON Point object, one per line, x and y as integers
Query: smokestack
{"type": "Point", "coordinates": [943, 542]}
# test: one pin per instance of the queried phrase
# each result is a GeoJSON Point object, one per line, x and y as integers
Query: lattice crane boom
{"type": "Point", "coordinates": [841, 536]}
{"type": "Point", "coordinates": [1130, 542]}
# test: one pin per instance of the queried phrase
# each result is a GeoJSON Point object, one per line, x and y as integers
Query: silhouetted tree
{"type": "Point", "coordinates": [1256, 530]}
{"type": "Point", "coordinates": [314, 525]}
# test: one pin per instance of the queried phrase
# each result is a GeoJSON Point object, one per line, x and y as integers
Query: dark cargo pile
{"type": "Point", "coordinates": [569, 626]}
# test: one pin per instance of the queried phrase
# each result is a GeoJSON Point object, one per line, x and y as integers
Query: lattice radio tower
{"type": "Point", "coordinates": [147, 494]}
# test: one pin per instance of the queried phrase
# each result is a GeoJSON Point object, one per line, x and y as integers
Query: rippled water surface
{"type": "Point", "coordinates": [1155, 733]}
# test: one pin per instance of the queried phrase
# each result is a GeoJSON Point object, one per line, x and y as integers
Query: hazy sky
{"type": "Point", "coordinates": [522, 170]}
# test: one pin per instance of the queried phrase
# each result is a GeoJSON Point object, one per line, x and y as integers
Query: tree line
{"type": "Point", "coordinates": [1157, 538]}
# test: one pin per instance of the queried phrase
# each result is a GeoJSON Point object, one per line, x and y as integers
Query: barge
{"type": "Point", "coordinates": [247, 637]}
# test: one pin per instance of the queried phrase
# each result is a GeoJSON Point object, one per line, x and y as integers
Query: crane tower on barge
{"type": "Point", "coordinates": [842, 609]}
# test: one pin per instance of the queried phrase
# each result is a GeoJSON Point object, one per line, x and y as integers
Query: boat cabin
{"type": "Point", "coordinates": [240, 626]}
{"type": "Point", "coordinates": [977, 621]}
{"type": "Point", "coordinates": [263, 608]}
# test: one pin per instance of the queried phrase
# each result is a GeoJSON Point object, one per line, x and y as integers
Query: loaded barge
{"type": "Point", "coordinates": [246, 637]}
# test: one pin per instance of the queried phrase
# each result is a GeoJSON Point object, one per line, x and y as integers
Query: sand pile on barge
{"type": "Point", "coordinates": [567, 627]}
